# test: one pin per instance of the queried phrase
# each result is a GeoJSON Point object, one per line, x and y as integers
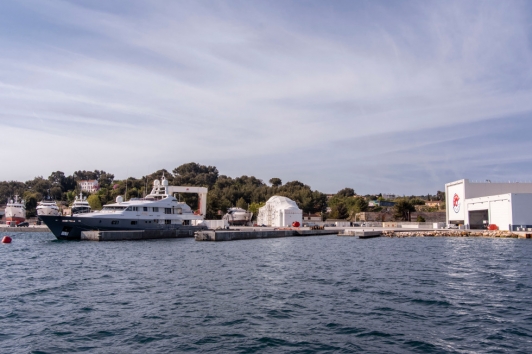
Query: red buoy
{"type": "Point", "coordinates": [295, 224]}
{"type": "Point", "coordinates": [6, 239]}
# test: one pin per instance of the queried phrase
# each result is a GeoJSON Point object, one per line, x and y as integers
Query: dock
{"type": "Point", "coordinates": [131, 235]}
{"type": "Point", "coordinates": [362, 234]}
{"type": "Point", "coordinates": [233, 235]}
{"type": "Point", "coordinates": [24, 229]}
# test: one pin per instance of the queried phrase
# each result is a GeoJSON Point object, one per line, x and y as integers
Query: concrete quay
{"type": "Point", "coordinates": [131, 235]}
{"type": "Point", "coordinates": [32, 228]}
{"type": "Point", "coordinates": [362, 234]}
{"type": "Point", "coordinates": [252, 234]}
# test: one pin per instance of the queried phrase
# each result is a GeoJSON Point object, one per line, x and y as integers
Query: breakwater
{"type": "Point", "coordinates": [456, 233]}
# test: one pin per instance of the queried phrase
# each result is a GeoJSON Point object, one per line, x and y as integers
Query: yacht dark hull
{"type": "Point", "coordinates": [70, 227]}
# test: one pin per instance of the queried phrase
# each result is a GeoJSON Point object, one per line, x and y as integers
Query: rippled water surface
{"type": "Point", "coordinates": [301, 295]}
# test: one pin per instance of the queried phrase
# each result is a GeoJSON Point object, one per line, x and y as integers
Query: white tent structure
{"type": "Point", "coordinates": [279, 212]}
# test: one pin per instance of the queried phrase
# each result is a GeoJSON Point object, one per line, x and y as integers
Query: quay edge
{"type": "Point", "coordinates": [233, 235]}
{"type": "Point", "coordinates": [24, 229]}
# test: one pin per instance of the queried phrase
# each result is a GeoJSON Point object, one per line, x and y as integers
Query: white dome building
{"type": "Point", "coordinates": [279, 212]}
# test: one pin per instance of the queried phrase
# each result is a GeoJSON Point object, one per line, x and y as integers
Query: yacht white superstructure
{"type": "Point", "coordinates": [158, 210]}
{"type": "Point", "coordinates": [48, 207]}
{"type": "Point", "coordinates": [80, 205]}
{"type": "Point", "coordinates": [238, 216]}
{"type": "Point", "coordinates": [15, 211]}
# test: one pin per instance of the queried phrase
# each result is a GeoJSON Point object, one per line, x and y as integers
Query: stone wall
{"type": "Point", "coordinates": [387, 216]}
{"type": "Point", "coordinates": [436, 216]}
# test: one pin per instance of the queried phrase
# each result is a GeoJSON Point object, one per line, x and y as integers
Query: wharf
{"type": "Point", "coordinates": [130, 235]}
{"type": "Point", "coordinates": [25, 229]}
{"type": "Point", "coordinates": [362, 234]}
{"type": "Point", "coordinates": [252, 234]}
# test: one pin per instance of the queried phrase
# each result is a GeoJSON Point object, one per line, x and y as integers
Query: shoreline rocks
{"type": "Point", "coordinates": [454, 233]}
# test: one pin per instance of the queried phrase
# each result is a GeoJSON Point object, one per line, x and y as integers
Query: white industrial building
{"type": "Point", "coordinates": [279, 212]}
{"type": "Point", "coordinates": [477, 204]}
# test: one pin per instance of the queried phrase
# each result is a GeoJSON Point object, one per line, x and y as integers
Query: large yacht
{"type": "Point", "coordinates": [48, 207]}
{"type": "Point", "coordinates": [80, 205]}
{"type": "Point", "coordinates": [238, 216]}
{"type": "Point", "coordinates": [158, 210]}
{"type": "Point", "coordinates": [15, 211]}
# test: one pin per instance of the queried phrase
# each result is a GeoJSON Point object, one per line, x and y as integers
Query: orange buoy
{"type": "Point", "coordinates": [6, 239]}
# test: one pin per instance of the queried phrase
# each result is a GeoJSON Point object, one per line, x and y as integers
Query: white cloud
{"type": "Point", "coordinates": [187, 81]}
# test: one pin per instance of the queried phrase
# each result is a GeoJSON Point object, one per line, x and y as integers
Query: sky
{"type": "Point", "coordinates": [380, 96]}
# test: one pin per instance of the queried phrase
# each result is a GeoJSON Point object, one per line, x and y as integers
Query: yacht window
{"type": "Point", "coordinates": [145, 208]}
{"type": "Point", "coordinates": [155, 209]}
{"type": "Point", "coordinates": [133, 222]}
{"type": "Point", "coordinates": [186, 222]}
{"type": "Point", "coordinates": [168, 222]}
{"type": "Point", "coordinates": [128, 209]}
{"type": "Point", "coordinates": [135, 208]}
{"type": "Point", "coordinates": [168, 210]}
{"type": "Point", "coordinates": [114, 222]}
{"type": "Point", "coordinates": [113, 208]}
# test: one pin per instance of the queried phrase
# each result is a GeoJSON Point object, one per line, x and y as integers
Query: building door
{"type": "Point", "coordinates": [478, 219]}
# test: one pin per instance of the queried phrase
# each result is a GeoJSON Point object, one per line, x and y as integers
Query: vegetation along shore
{"type": "Point", "coordinates": [247, 192]}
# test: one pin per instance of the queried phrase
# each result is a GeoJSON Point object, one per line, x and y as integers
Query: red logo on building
{"type": "Point", "coordinates": [456, 203]}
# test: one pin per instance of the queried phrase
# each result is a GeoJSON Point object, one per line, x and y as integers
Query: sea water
{"type": "Point", "coordinates": [300, 295]}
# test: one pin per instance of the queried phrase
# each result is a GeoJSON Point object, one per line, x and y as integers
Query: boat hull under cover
{"type": "Point", "coordinates": [70, 227]}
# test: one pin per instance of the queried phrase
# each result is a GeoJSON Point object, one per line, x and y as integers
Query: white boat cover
{"type": "Point", "coordinates": [279, 212]}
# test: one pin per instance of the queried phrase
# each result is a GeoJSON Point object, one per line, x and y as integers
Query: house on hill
{"type": "Point", "coordinates": [89, 186]}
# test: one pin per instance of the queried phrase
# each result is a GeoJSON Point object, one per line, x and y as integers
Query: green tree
{"type": "Point", "coordinates": [346, 192]}
{"type": "Point", "coordinates": [339, 211]}
{"type": "Point", "coordinates": [420, 218]}
{"type": "Point", "coordinates": [361, 205]}
{"type": "Point", "coordinates": [194, 174]}
{"type": "Point", "coordinates": [254, 208]}
{"type": "Point", "coordinates": [241, 203]}
{"type": "Point", "coordinates": [276, 182]}
{"type": "Point", "coordinates": [31, 199]}
{"type": "Point", "coordinates": [402, 209]}
{"type": "Point", "coordinates": [417, 201]}
{"type": "Point", "coordinates": [440, 195]}
{"type": "Point", "coordinates": [94, 202]}
{"type": "Point", "coordinates": [57, 178]}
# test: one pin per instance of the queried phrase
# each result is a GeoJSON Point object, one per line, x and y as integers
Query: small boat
{"type": "Point", "coordinates": [80, 205]}
{"type": "Point", "coordinates": [238, 216]}
{"type": "Point", "coordinates": [15, 211]}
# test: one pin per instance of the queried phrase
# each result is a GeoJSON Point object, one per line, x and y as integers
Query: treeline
{"type": "Point", "coordinates": [345, 204]}
{"type": "Point", "coordinates": [57, 186]}
{"type": "Point", "coordinates": [247, 192]}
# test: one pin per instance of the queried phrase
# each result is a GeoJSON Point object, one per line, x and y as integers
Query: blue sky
{"type": "Point", "coordinates": [379, 96]}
